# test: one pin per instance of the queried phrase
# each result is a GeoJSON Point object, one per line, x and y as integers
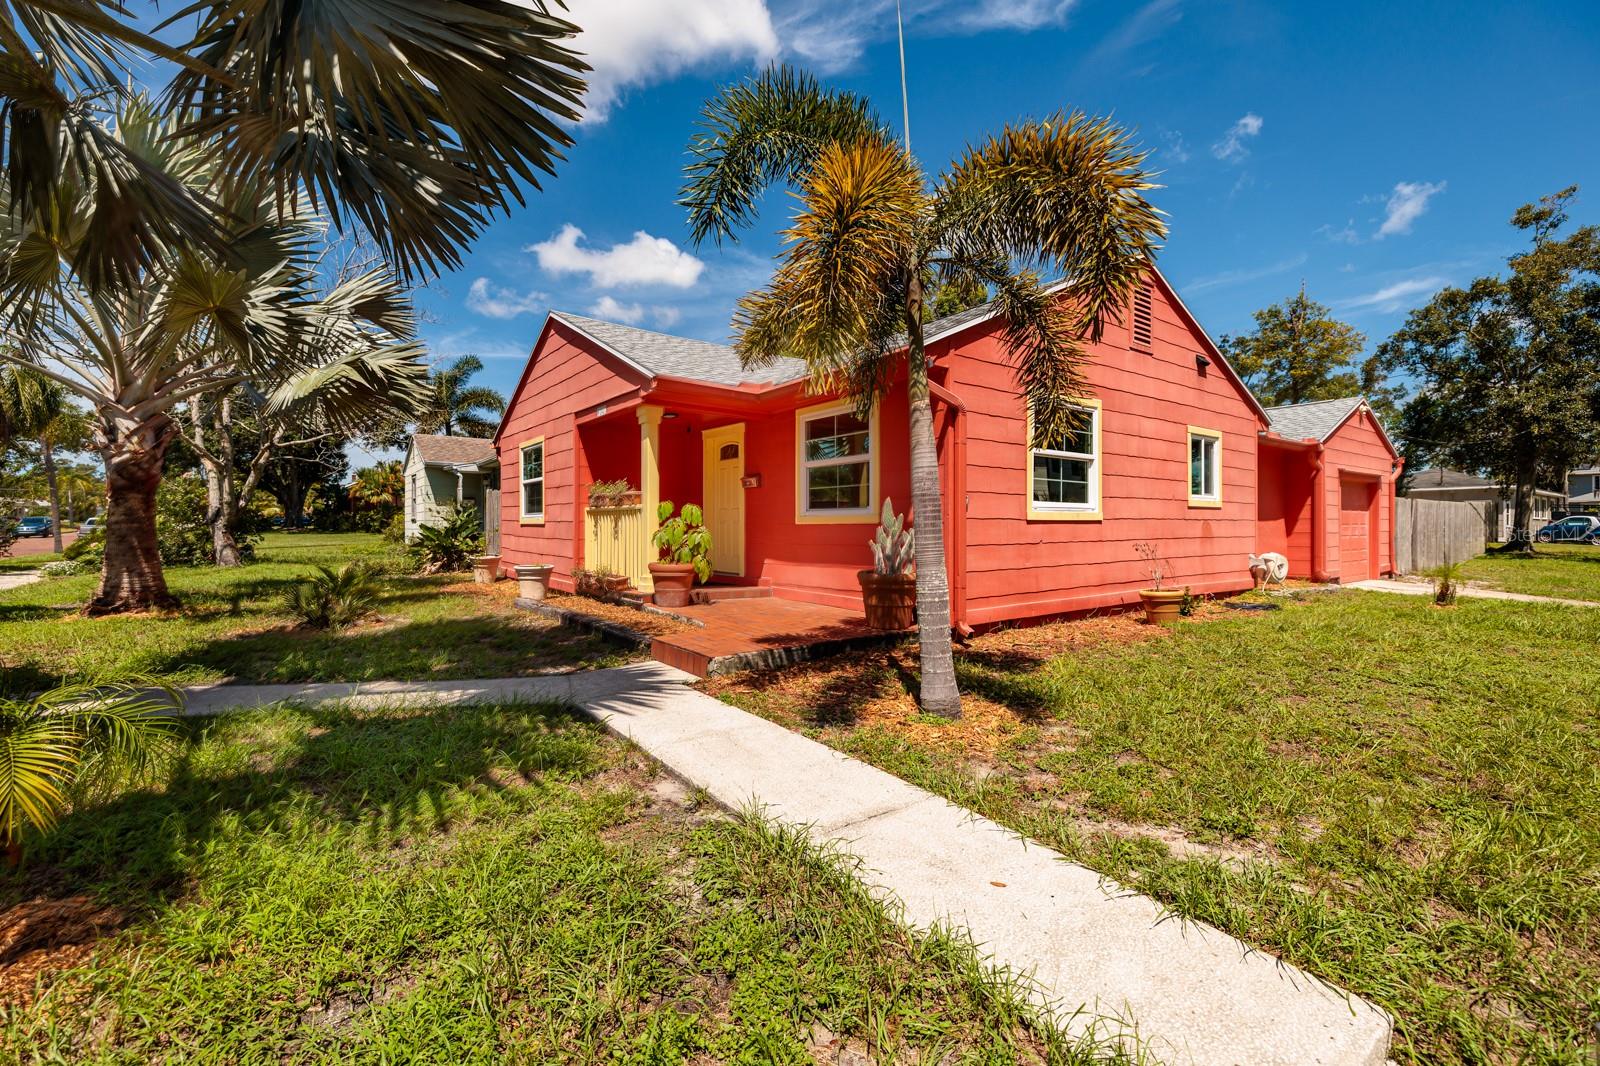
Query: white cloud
{"type": "Point", "coordinates": [1239, 277]}
{"type": "Point", "coordinates": [642, 42]}
{"type": "Point", "coordinates": [1139, 29]}
{"type": "Point", "coordinates": [1176, 150]}
{"type": "Point", "coordinates": [645, 260]}
{"type": "Point", "coordinates": [829, 38]}
{"type": "Point", "coordinates": [1022, 15]}
{"type": "Point", "coordinates": [1344, 235]}
{"type": "Point", "coordinates": [1398, 296]}
{"type": "Point", "coordinates": [612, 310]}
{"type": "Point", "coordinates": [1232, 147]}
{"type": "Point", "coordinates": [1405, 205]}
{"type": "Point", "coordinates": [666, 317]}
{"type": "Point", "coordinates": [487, 298]}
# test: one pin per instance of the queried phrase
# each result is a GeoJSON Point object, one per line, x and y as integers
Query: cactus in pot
{"type": "Point", "coordinates": [888, 590]}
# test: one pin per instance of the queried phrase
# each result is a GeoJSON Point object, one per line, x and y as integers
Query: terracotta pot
{"type": "Point", "coordinates": [486, 569]}
{"type": "Point", "coordinates": [617, 582]}
{"type": "Point", "coordinates": [890, 599]}
{"type": "Point", "coordinates": [534, 581]}
{"type": "Point", "coordinates": [1162, 606]}
{"type": "Point", "coordinates": [673, 582]}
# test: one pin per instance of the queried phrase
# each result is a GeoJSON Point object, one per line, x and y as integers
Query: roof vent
{"type": "Point", "coordinates": [1141, 317]}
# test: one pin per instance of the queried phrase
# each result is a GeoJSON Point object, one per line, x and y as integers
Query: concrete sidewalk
{"type": "Point", "coordinates": [1105, 960]}
{"type": "Point", "coordinates": [17, 579]}
{"type": "Point", "coordinates": [1425, 588]}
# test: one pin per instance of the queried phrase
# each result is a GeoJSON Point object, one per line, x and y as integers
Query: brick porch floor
{"type": "Point", "coordinates": [745, 634]}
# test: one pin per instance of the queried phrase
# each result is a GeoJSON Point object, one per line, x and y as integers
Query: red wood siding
{"type": "Point", "coordinates": [1284, 513]}
{"type": "Point", "coordinates": [1357, 451]}
{"type": "Point", "coordinates": [564, 378]}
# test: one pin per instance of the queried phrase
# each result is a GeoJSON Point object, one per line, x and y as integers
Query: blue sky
{"type": "Point", "coordinates": [1375, 150]}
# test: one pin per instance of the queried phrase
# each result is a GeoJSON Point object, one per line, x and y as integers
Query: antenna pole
{"type": "Point", "coordinates": [905, 100]}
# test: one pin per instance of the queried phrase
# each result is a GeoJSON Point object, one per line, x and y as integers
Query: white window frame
{"type": "Point", "coordinates": [532, 517]}
{"type": "Point", "coordinates": [1089, 510]}
{"type": "Point", "coordinates": [1214, 467]}
{"type": "Point", "coordinates": [803, 467]}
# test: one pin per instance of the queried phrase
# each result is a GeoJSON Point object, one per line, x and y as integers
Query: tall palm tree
{"type": "Point", "coordinates": [456, 408]}
{"type": "Point", "coordinates": [415, 120]}
{"type": "Point", "coordinates": [188, 323]}
{"type": "Point", "coordinates": [35, 407]}
{"type": "Point", "coordinates": [1063, 196]}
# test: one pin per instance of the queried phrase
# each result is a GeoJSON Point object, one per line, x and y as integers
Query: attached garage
{"type": "Point", "coordinates": [1327, 490]}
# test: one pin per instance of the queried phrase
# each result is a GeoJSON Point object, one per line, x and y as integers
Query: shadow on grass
{"type": "Point", "coordinates": [384, 774]}
{"type": "Point", "coordinates": [490, 646]}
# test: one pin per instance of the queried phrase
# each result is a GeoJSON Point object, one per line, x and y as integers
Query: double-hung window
{"type": "Point", "coordinates": [1064, 474]}
{"type": "Point", "coordinates": [1205, 467]}
{"type": "Point", "coordinates": [837, 464]}
{"type": "Point", "coordinates": [533, 480]}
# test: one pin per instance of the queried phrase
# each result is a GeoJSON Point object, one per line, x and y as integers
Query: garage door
{"type": "Point", "coordinates": [1356, 552]}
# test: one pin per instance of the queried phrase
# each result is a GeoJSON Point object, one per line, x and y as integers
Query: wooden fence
{"type": "Point", "coordinates": [1429, 533]}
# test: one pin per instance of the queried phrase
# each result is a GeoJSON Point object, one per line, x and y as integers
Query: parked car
{"type": "Point", "coordinates": [1578, 528]}
{"type": "Point", "coordinates": [92, 524]}
{"type": "Point", "coordinates": [35, 526]}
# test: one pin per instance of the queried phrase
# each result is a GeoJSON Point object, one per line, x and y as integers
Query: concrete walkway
{"type": "Point", "coordinates": [1425, 588]}
{"type": "Point", "coordinates": [1104, 959]}
{"type": "Point", "coordinates": [17, 579]}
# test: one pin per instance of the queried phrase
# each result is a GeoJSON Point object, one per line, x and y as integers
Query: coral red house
{"type": "Point", "coordinates": [1172, 454]}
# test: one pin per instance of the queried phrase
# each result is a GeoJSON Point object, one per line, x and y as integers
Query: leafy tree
{"type": "Point", "coordinates": [1508, 368]}
{"type": "Point", "coordinates": [379, 492]}
{"type": "Point", "coordinates": [957, 295]}
{"type": "Point", "coordinates": [299, 473]}
{"type": "Point", "coordinates": [1297, 353]}
{"type": "Point", "coordinates": [1065, 195]}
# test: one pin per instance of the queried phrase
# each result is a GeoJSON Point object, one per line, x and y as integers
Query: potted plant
{"type": "Point", "coordinates": [610, 493]}
{"type": "Point", "coordinates": [684, 546]}
{"type": "Point", "coordinates": [533, 581]}
{"type": "Point", "coordinates": [889, 590]}
{"type": "Point", "coordinates": [1162, 606]}
{"type": "Point", "coordinates": [486, 569]}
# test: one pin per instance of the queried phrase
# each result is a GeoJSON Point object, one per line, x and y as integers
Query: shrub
{"type": "Point", "coordinates": [1446, 582]}
{"type": "Point", "coordinates": [395, 531]}
{"type": "Point", "coordinates": [333, 599]}
{"type": "Point", "coordinates": [89, 549]}
{"type": "Point", "coordinates": [62, 568]}
{"type": "Point", "coordinates": [182, 534]}
{"type": "Point", "coordinates": [8, 535]}
{"type": "Point", "coordinates": [684, 538]}
{"type": "Point", "coordinates": [450, 545]}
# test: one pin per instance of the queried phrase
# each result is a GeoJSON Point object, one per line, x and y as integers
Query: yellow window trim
{"type": "Point", "coordinates": [1052, 514]}
{"type": "Point", "coordinates": [855, 517]}
{"type": "Point", "coordinates": [1216, 435]}
{"type": "Point", "coordinates": [530, 519]}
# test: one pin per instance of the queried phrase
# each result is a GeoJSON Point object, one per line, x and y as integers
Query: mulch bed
{"type": "Point", "coordinates": [42, 936]}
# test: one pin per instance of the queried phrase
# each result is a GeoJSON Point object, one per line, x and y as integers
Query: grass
{"type": "Point", "coordinates": [234, 626]}
{"type": "Point", "coordinates": [486, 885]}
{"type": "Point", "coordinates": [1567, 571]}
{"type": "Point", "coordinates": [1400, 798]}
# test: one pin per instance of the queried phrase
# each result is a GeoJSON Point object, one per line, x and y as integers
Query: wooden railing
{"type": "Point", "coordinates": [617, 539]}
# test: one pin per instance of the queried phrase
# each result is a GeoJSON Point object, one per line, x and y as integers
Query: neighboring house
{"type": "Point", "coordinates": [1583, 490]}
{"type": "Point", "coordinates": [1328, 465]}
{"type": "Point", "coordinates": [1493, 502]}
{"type": "Point", "coordinates": [792, 482]}
{"type": "Point", "coordinates": [444, 472]}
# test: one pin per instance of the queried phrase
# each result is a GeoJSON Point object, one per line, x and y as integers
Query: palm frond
{"type": "Point", "coordinates": [761, 132]}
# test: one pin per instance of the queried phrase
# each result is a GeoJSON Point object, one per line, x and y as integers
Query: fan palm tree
{"type": "Point", "coordinates": [69, 738]}
{"type": "Point", "coordinates": [188, 323]}
{"type": "Point", "coordinates": [457, 408]}
{"type": "Point", "coordinates": [415, 120]}
{"type": "Point", "coordinates": [1063, 196]}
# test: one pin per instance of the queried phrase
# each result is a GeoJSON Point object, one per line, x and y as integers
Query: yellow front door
{"type": "Point", "coordinates": [724, 497]}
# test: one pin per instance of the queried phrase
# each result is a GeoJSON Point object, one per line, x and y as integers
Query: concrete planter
{"type": "Point", "coordinates": [890, 600]}
{"type": "Point", "coordinates": [673, 582]}
{"type": "Point", "coordinates": [534, 581]}
{"type": "Point", "coordinates": [1162, 607]}
{"type": "Point", "coordinates": [486, 569]}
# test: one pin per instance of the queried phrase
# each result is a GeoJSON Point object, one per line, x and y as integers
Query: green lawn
{"type": "Point", "coordinates": [484, 885]}
{"type": "Point", "coordinates": [1569, 571]}
{"type": "Point", "coordinates": [1401, 798]}
{"type": "Point", "coordinates": [233, 626]}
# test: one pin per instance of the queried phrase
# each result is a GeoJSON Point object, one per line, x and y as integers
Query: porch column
{"type": "Point", "coordinates": [649, 475]}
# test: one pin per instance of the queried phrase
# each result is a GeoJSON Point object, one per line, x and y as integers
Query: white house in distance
{"type": "Point", "coordinates": [1583, 489]}
{"type": "Point", "coordinates": [444, 472]}
{"type": "Point", "coordinates": [1495, 503]}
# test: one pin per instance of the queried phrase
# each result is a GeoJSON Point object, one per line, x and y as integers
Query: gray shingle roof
{"type": "Point", "coordinates": [1311, 421]}
{"type": "Point", "coordinates": [1444, 478]}
{"type": "Point", "coordinates": [452, 451]}
{"type": "Point", "coordinates": [659, 353]}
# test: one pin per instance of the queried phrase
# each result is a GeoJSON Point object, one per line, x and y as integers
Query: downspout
{"type": "Point", "coordinates": [1319, 516]}
{"type": "Point", "coordinates": [958, 508]}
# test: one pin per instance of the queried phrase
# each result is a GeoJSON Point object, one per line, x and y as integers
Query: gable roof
{"type": "Point", "coordinates": [437, 450]}
{"type": "Point", "coordinates": [1460, 480]}
{"type": "Point", "coordinates": [1316, 420]}
{"type": "Point", "coordinates": [654, 354]}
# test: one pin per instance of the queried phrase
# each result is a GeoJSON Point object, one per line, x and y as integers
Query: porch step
{"type": "Point", "coordinates": [717, 593]}
{"type": "Point", "coordinates": [760, 632]}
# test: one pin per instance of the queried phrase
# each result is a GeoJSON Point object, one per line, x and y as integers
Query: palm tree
{"type": "Point", "coordinates": [35, 407]}
{"type": "Point", "coordinates": [1063, 196]}
{"type": "Point", "coordinates": [381, 487]}
{"type": "Point", "coordinates": [185, 324]}
{"type": "Point", "coordinates": [456, 408]}
{"type": "Point", "coordinates": [417, 122]}
{"type": "Point", "coordinates": [68, 738]}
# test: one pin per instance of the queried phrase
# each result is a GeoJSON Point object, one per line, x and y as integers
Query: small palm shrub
{"type": "Point", "coordinates": [333, 599]}
{"type": "Point", "coordinates": [71, 743]}
{"type": "Point", "coordinates": [449, 546]}
{"type": "Point", "coordinates": [1446, 580]}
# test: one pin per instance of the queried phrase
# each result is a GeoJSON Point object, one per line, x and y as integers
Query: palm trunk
{"type": "Point", "coordinates": [131, 579]}
{"type": "Point", "coordinates": [940, 694]}
{"type": "Point", "coordinates": [47, 459]}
